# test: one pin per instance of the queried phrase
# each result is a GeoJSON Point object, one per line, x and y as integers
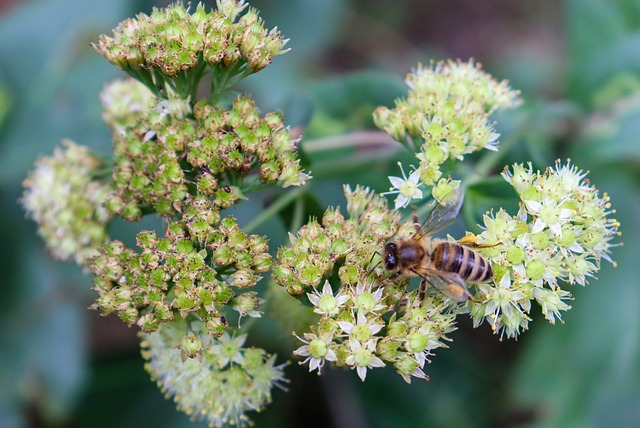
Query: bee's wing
{"type": "Point", "coordinates": [450, 285]}
{"type": "Point", "coordinates": [441, 216]}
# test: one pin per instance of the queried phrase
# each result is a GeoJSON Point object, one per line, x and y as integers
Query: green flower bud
{"type": "Point", "coordinates": [515, 254]}
{"type": "Point", "coordinates": [190, 347]}
{"type": "Point", "coordinates": [535, 269]}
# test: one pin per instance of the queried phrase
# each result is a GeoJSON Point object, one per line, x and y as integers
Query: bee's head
{"type": "Point", "coordinates": [389, 258]}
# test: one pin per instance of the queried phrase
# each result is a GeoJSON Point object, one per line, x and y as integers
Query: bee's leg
{"type": "Point", "coordinates": [471, 241]}
{"type": "Point", "coordinates": [416, 222]}
{"type": "Point", "coordinates": [422, 290]}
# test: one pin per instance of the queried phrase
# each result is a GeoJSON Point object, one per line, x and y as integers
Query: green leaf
{"type": "Point", "coordinates": [613, 136]}
{"type": "Point", "coordinates": [356, 95]}
{"type": "Point", "coordinates": [602, 38]}
{"type": "Point", "coordinates": [55, 76]}
{"type": "Point", "coordinates": [488, 195]}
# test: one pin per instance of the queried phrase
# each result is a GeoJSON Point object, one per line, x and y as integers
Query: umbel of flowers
{"type": "Point", "coordinates": [171, 50]}
{"type": "Point", "coordinates": [444, 117]}
{"type": "Point", "coordinates": [557, 239]}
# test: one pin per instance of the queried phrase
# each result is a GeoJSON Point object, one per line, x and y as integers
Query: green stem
{"type": "Point", "coordinates": [364, 139]}
{"type": "Point", "coordinates": [298, 215]}
{"type": "Point", "coordinates": [196, 76]}
{"type": "Point", "coordinates": [275, 208]}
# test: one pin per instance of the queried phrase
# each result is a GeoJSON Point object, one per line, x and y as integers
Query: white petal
{"type": "Point", "coordinates": [345, 326]}
{"type": "Point", "coordinates": [556, 229]}
{"type": "Point", "coordinates": [375, 328]}
{"type": "Point", "coordinates": [533, 206]}
{"type": "Point", "coordinates": [331, 356]}
{"type": "Point", "coordinates": [377, 362]}
{"type": "Point", "coordinates": [396, 181]}
{"type": "Point", "coordinates": [538, 226]}
{"type": "Point", "coordinates": [326, 289]}
{"type": "Point", "coordinates": [414, 177]}
{"type": "Point", "coordinates": [576, 248]}
{"type": "Point", "coordinates": [566, 213]}
{"type": "Point", "coordinates": [313, 298]}
{"type": "Point", "coordinates": [302, 351]}
{"type": "Point", "coordinates": [314, 363]}
{"type": "Point", "coordinates": [342, 299]}
{"type": "Point", "coordinates": [401, 201]}
{"type": "Point", "coordinates": [362, 372]}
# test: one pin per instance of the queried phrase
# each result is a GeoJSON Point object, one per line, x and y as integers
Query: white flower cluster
{"type": "Point", "coordinates": [352, 331]}
{"type": "Point", "coordinates": [222, 384]}
{"type": "Point", "coordinates": [446, 113]}
{"type": "Point", "coordinates": [560, 235]}
{"type": "Point", "coordinates": [66, 200]}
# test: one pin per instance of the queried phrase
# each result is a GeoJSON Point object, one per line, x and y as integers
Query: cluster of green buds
{"type": "Point", "coordinates": [171, 50]}
{"type": "Point", "coordinates": [225, 382]}
{"type": "Point", "coordinates": [168, 155]}
{"type": "Point", "coordinates": [198, 267]}
{"type": "Point", "coordinates": [559, 236]}
{"type": "Point", "coordinates": [445, 116]}
{"type": "Point", "coordinates": [369, 318]}
{"type": "Point", "coordinates": [65, 195]}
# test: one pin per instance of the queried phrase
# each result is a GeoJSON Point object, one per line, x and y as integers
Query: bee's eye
{"type": "Point", "coordinates": [390, 262]}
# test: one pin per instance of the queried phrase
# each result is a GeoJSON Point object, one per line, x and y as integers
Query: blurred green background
{"type": "Point", "coordinates": [577, 63]}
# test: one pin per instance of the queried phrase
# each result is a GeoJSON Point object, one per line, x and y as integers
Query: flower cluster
{"type": "Point", "coordinates": [200, 265]}
{"type": "Point", "coordinates": [354, 330]}
{"type": "Point", "coordinates": [167, 155]}
{"type": "Point", "coordinates": [560, 234]}
{"type": "Point", "coordinates": [65, 196]}
{"type": "Point", "coordinates": [318, 248]}
{"type": "Point", "coordinates": [173, 49]}
{"type": "Point", "coordinates": [446, 114]}
{"type": "Point", "coordinates": [222, 385]}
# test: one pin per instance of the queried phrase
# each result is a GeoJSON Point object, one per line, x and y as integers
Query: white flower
{"type": "Point", "coordinates": [406, 188]}
{"type": "Point", "coordinates": [365, 299]}
{"type": "Point", "coordinates": [363, 329]}
{"type": "Point", "coordinates": [228, 349]}
{"type": "Point", "coordinates": [549, 213]}
{"type": "Point", "coordinates": [316, 349]}
{"type": "Point", "coordinates": [326, 303]}
{"type": "Point", "coordinates": [362, 357]}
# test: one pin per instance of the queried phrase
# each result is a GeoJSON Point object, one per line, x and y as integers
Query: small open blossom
{"type": "Point", "coordinates": [363, 329]}
{"type": "Point", "coordinates": [362, 356]}
{"type": "Point", "coordinates": [406, 188]}
{"type": "Point", "coordinates": [317, 350]}
{"type": "Point", "coordinates": [326, 303]}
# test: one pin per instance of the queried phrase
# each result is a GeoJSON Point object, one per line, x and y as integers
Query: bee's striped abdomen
{"type": "Point", "coordinates": [456, 258]}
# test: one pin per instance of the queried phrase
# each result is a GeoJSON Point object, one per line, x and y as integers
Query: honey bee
{"type": "Point", "coordinates": [445, 265]}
